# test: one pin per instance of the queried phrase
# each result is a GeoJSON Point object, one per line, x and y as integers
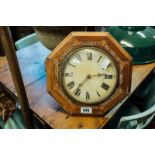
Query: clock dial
{"type": "Point", "coordinates": [89, 75]}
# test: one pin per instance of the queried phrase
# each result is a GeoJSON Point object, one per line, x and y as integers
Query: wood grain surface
{"type": "Point", "coordinates": [31, 60]}
{"type": "Point", "coordinates": [100, 40]}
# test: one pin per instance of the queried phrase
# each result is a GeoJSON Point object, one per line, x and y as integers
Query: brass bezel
{"type": "Point", "coordinates": [62, 65]}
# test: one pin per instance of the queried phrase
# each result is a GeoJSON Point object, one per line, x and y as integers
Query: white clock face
{"type": "Point", "coordinates": [89, 75]}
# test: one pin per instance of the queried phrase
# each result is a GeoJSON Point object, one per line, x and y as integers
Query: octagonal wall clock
{"type": "Point", "coordinates": [88, 73]}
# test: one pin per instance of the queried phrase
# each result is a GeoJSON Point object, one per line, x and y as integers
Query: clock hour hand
{"type": "Point", "coordinates": [77, 91]}
{"type": "Point", "coordinates": [81, 84]}
{"type": "Point", "coordinates": [87, 78]}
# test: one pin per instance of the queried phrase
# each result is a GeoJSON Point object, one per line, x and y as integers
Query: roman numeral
{"type": "Point", "coordinates": [87, 96]}
{"type": "Point", "coordinates": [68, 74]}
{"type": "Point", "coordinates": [89, 56]}
{"type": "Point", "coordinates": [78, 57]}
{"type": "Point", "coordinates": [99, 59]}
{"type": "Point", "coordinates": [77, 92]}
{"type": "Point", "coordinates": [105, 86]}
{"type": "Point", "coordinates": [108, 76]}
{"type": "Point", "coordinates": [71, 64]}
{"type": "Point", "coordinates": [98, 93]}
{"type": "Point", "coordinates": [71, 84]}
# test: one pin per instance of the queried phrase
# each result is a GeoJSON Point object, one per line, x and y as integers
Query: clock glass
{"type": "Point", "coordinates": [89, 75]}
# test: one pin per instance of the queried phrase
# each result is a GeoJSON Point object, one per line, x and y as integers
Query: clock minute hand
{"type": "Point", "coordinates": [99, 75]}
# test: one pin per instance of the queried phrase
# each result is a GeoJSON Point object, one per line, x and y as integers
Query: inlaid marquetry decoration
{"type": "Point", "coordinates": [89, 73]}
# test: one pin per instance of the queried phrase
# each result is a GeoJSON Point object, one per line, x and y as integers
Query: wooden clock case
{"type": "Point", "coordinates": [101, 40]}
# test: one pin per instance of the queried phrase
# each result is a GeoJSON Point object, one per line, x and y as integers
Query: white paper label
{"type": "Point", "coordinates": [86, 110]}
{"type": "Point", "coordinates": [105, 64]}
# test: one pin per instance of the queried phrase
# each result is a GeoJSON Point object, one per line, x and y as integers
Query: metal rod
{"type": "Point", "coordinates": [10, 51]}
